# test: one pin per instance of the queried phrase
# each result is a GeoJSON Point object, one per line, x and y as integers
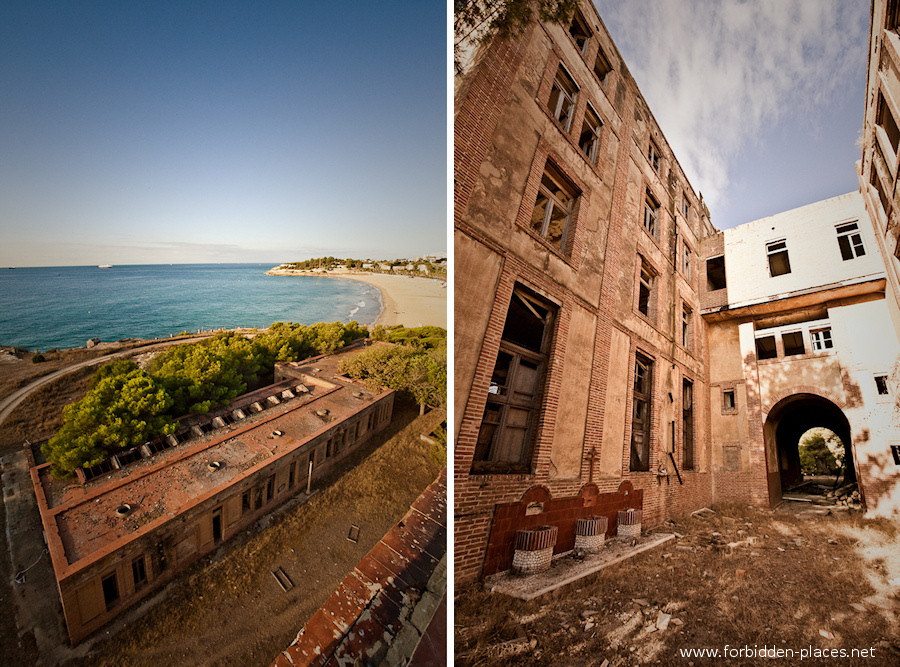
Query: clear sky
{"type": "Point", "coordinates": [170, 132]}
{"type": "Point", "coordinates": [761, 100]}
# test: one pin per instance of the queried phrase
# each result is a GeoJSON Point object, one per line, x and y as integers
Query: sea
{"type": "Point", "coordinates": [63, 307]}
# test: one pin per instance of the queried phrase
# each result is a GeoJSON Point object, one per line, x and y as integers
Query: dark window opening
{"type": "Point", "coordinates": [645, 290]}
{"type": "Point", "coordinates": [885, 120]}
{"type": "Point", "coordinates": [715, 273]}
{"type": "Point", "coordinates": [653, 156]}
{"type": "Point", "coordinates": [506, 435]}
{"type": "Point", "coordinates": [687, 419]}
{"type": "Point", "coordinates": [793, 343]}
{"type": "Point", "coordinates": [882, 385]}
{"type": "Point", "coordinates": [270, 488]}
{"type": "Point", "coordinates": [651, 213]}
{"type": "Point", "coordinates": [728, 399]}
{"type": "Point", "coordinates": [779, 264]}
{"type": "Point", "coordinates": [110, 590]}
{"type": "Point", "coordinates": [553, 207]}
{"type": "Point", "coordinates": [245, 502]}
{"type": "Point", "coordinates": [217, 525]}
{"type": "Point", "coordinates": [640, 415]}
{"type": "Point", "coordinates": [579, 31]}
{"type": "Point", "coordinates": [257, 497]}
{"type": "Point", "coordinates": [601, 66]}
{"type": "Point", "coordinates": [589, 141]}
{"type": "Point", "coordinates": [139, 572]}
{"type": "Point", "coordinates": [562, 99]}
{"type": "Point", "coordinates": [292, 474]}
{"type": "Point", "coordinates": [892, 15]}
{"type": "Point", "coordinates": [875, 180]}
{"type": "Point", "coordinates": [850, 241]}
{"type": "Point", "coordinates": [765, 348]}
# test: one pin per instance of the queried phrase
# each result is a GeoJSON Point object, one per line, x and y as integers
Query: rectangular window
{"type": "Point", "coordinates": [553, 207]}
{"type": "Point", "coordinates": [589, 141]}
{"type": "Point", "coordinates": [601, 66]}
{"type": "Point", "coordinates": [875, 180]}
{"type": "Point", "coordinates": [881, 384]}
{"type": "Point", "coordinates": [687, 422]}
{"type": "Point", "coordinates": [110, 590]}
{"type": "Point", "coordinates": [892, 15]}
{"type": "Point", "coordinates": [885, 120]}
{"type": "Point", "coordinates": [715, 273]}
{"type": "Point", "coordinates": [653, 155]}
{"type": "Point", "coordinates": [640, 415]}
{"type": "Point", "coordinates": [686, 317]}
{"type": "Point", "coordinates": [686, 260]}
{"type": "Point", "coordinates": [510, 416]}
{"type": "Point", "coordinates": [850, 241]}
{"type": "Point", "coordinates": [292, 474]}
{"type": "Point", "coordinates": [257, 497]}
{"type": "Point", "coordinates": [651, 213]}
{"type": "Point", "coordinates": [685, 208]}
{"type": "Point", "coordinates": [562, 98]}
{"type": "Point", "coordinates": [270, 488]}
{"type": "Point", "coordinates": [139, 572]}
{"type": "Point", "coordinates": [728, 400]}
{"type": "Point", "coordinates": [821, 339]}
{"type": "Point", "coordinates": [779, 264]}
{"type": "Point", "coordinates": [645, 290]}
{"type": "Point", "coordinates": [579, 31]}
{"type": "Point", "coordinates": [765, 348]}
{"type": "Point", "coordinates": [793, 343]}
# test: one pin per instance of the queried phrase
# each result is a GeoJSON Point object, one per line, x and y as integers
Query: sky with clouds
{"type": "Point", "coordinates": [227, 131]}
{"type": "Point", "coordinates": [761, 100]}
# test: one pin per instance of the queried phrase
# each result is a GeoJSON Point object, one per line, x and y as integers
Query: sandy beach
{"type": "Point", "coordinates": [412, 302]}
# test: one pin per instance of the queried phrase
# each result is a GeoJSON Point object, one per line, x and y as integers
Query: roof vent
{"type": "Point", "coordinates": [215, 465]}
{"type": "Point", "coordinates": [322, 413]}
{"type": "Point", "coordinates": [123, 510]}
{"type": "Point", "coordinates": [278, 434]}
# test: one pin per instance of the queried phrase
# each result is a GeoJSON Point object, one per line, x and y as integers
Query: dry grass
{"type": "Point", "coordinates": [800, 575]}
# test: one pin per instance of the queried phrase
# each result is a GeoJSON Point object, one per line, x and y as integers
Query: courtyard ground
{"type": "Point", "coordinates": [794, 578]}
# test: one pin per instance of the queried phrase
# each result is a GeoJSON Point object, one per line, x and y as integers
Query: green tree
{"type": "Point", "coordinates": [816, 457]}
{"type": "Point", "coordinates": [121, 410]}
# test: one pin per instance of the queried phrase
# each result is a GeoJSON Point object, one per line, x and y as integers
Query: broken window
{"type": "Point", "coordinates": [715, 273]}
{"type": "Point", "coordinates": [687, 422]}
{"type": "Point", "coordinates": [589, 141]}
{"type": "Point", "coordinates": [793, 343]}
{"type": "Point", "coordinates": [601, 66]}
{"type": "Point", "coordinates": [510, 416]}
{"type": "Point", "coordinates": [580, 31]}
{"type": "Point", "coordinates": [110, 590]}
{"type": "Point", "coordinates": [640, 415]}
{"type": "Point", "coordinates": [728, 400]}
{"type": "Point", "coordinates": [885, 120]}
{"type": "Point", "coordinates": [653, 155]}
{"type": "Point", "coordinates": [139, 572]}
{"type": "Point", "coordinates": [686, 260]}
{"type": "Point", "coordinates": [686, 313]}
{"type": "Point", "coordinates": [881, 384]}
{"type": "Point", "coordinates": [553, 207]}
{"type": "Point", "coordinates": [245, 501]}
{"type": "Point", "coordinates": [257, 497]}
{"type": "Point", "coordinates": [779, 264]}
{"type": "Point", "coordinates": [651, 213]}
{"type": "Point", "coordinates": [850, 241]}
{"type": "Point", "coordinates": [765, 347]}
{"type": "Point", "coordinates": [645, 290]}
{"type": "Point", "coordinates": [821, 339]}
{"type": "Point", "coordinates": [562, 98]}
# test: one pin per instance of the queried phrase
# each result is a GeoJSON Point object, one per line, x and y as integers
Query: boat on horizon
{"type": "Point", "coordinates": [104, 266]}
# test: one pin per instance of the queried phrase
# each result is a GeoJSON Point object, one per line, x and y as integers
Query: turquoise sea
{"type": "Point", "coordinates": [59, 307]}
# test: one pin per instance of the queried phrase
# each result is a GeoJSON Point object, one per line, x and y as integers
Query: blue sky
{"type": "Point", "coordinates": [761, 100]}
{"type": "Point", "coordinates": [147, 132]}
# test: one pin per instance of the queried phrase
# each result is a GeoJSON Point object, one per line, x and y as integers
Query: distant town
{"type": "Point", "coordinates": [434, 266]}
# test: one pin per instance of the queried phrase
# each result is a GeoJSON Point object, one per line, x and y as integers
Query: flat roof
{"type": "Point", "coordinates": [175, 480]}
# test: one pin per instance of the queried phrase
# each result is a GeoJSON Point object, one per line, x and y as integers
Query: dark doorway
{"type": "Point", "coordinates": [788, 421]}
{"type": "Point", "coordinates": [110, 590]}
{"type": "Point", "coordinates": [217, 525]}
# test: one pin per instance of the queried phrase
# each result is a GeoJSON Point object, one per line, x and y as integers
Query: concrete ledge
{"type": "Point", "coordinates": [565, 570]}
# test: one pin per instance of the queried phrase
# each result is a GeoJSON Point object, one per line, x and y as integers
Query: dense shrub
{"type": "Point", "coordinates": [38, 358]}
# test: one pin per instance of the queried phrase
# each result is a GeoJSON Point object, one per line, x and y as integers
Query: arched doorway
{"type": "Point", "coordinates": [786, 423]}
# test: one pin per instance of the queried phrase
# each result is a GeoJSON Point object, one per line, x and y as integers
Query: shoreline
{"type": "Point", "coordinates": [407, 300]}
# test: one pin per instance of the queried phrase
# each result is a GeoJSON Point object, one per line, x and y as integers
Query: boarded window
{"type": "Point", "coordinates": [793, 343]}
{"type": "Point", "coordinates": [507, 428]}
{"type": "Point", "coordinates": [715, 273]}
{"type": "Point", "coordinates": [850, 241]}
{"type": "Point", "coordinates": [779, 264]}
{"type": "Point", "coordinates": [640, 414]}
{"type": "Point", "coordinates": [765, 347]}
{"type": "Point", "coordinates": [553, 207]}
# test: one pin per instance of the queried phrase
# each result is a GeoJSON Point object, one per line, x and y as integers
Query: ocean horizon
{"type": "Point", "coordinates": [61, 307]}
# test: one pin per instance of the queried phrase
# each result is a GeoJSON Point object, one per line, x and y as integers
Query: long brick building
{"type": "Point", "coordinates": [605, 337]}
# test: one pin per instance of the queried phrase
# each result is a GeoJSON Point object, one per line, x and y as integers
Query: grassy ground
{"type": "Point", "coordinates": [793, 575]}
{"type": "Point", "coordinates": [228, 608]}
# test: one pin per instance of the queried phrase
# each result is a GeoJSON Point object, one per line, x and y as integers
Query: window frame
{"type": "Point", "coordinates": [646, 279]}
{"type": "Point", "coordinates": [710, 285]}
{"type": "Point", "coordinates": [687, 326]}
{"type": "Point", "coordinates": [688, 441]}
{"type": "Point", "coordinates": [604, 66]}
{"type": "Point", "coordinates": [726, 408]}
{"type": "Point", "coordinates": [555, 174]}
{"type": "Point", "coordinates": [774, 251]}
{"type": "Point", "coordinates": [652, 207]}
{"type": "Point", "coordinates": [849, 240]}
{"type": "Point", "coordinates": [654, 156]}
{"type": "Point", "coordinates": [563, 111]}
{"type": "Point", "coordinates": [645, 399]}
{"type": "Point", "coordinates": [795, 350]}
{"type": "Point", "coordinates": [686, 255]}
{"type": "Point", "coordinates": [593, 153]}
{"type": "Point", "coordinates": [821, 339]}
{"type": "Point", "coordinates": [759, 355]}
{"type": "Point", "coordinates": [578, 20]}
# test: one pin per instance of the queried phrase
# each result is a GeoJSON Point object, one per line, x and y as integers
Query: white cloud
{"type": "Point", "coordinates": [716, 74]}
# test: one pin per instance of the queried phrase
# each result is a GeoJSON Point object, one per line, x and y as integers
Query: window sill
{"type": "Point", "coordinates": [551, 248]}
{"type": "Point", "coordinates": [488, 475]}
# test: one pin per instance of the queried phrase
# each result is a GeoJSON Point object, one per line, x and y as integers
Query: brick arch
{"type": "Point", "coordinates": [536, 494]}
{"type": "Point", "coordinates": [802, 389]}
